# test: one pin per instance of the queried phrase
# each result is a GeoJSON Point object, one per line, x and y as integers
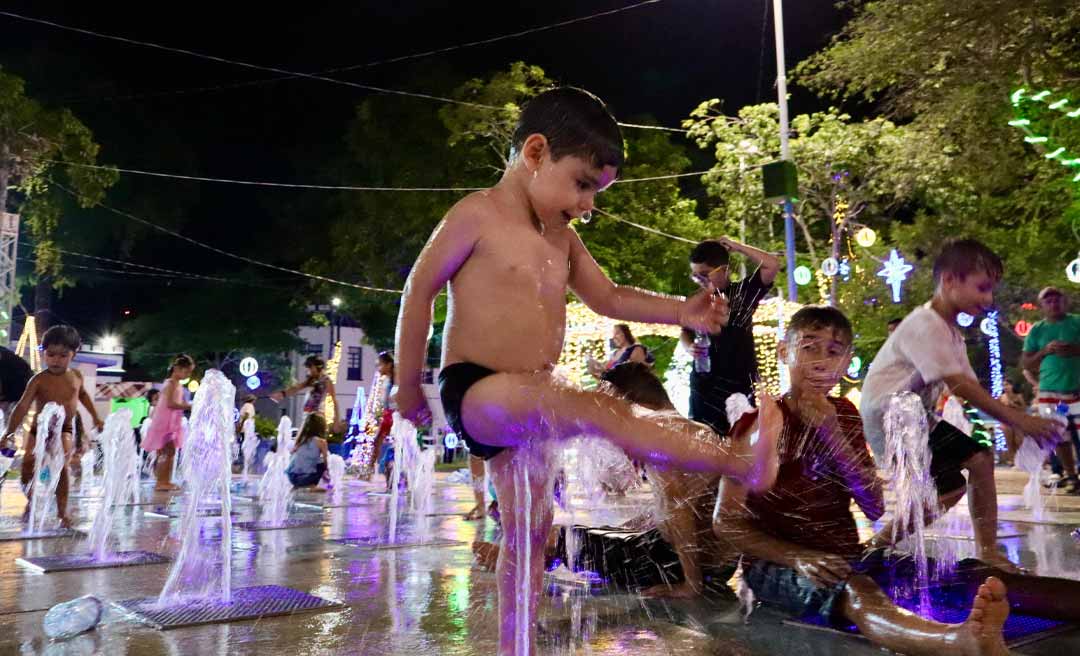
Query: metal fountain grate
{"type": "Point", "coordinates": [14, 536]}
{"type": "Point", "coordinates": [247, 603]}
{"type": "Point", "coordinates": [69, 562]}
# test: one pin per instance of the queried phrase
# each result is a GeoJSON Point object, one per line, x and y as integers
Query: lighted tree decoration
{"type": "Point", "coordinates": [331, 373]}
{"type": "Point", "coordinates": [362, 457]}
{"type": "Point", "coordinates": [1029, 115]}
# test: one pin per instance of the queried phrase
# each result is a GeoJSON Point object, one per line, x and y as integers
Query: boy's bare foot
{"type": "Point", "coordinates": [166, 487]}
{"type": "Point", "coordinates": [477, 512]}
{"type": "Point", "coordinates": [314, 488]}
{"type": "Point", "coordinates": [65, 521]}
{"type": "Point", "coordinates": [681, 590]}
{"type": "Point", "coordinates": [486, 554]}
{"type": "Point", "coordinates": [762, 473]}
{"type": "Point", "coordinates": [981, 634]}
{"type": "Point", "coordinates": [26, 513]}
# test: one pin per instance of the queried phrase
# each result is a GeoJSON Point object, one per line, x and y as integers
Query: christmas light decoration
{"type": "Point", "coordinates": [997, 379]}
{"type": "Point", "coordinates": [27, 347]}
{"type": "Point", "coordinates": [252, 382]}
{"type": "Point", "coordinates": [866, 237]}
{"type": "Point", "coordinates": [1072, 271]}
{"type": "Point", "coordinates": [1055, 151]}
{"type": "Point", "coordinates": [855, 368]}
{"type": "Point", "coordinates": [802, 275]}
{"type": "Point", "coordinates": [331, 373]}
{"type": "Point", "coordinates": [193, 386]}
{"type": "Point", "coordinates": [249, 366]}
{"type": "Point", "coordinates": [895, 271]}
{"type": "Point", "coordinates": [1022, 328]}
{"type": "Point", "coordinates": [845, 269]}
{"type": "Point", "coordinates": [830, 267]}
{"type": "Point", "coordinates": [964, 319]}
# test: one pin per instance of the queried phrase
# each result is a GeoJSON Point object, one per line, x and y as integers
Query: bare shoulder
{"type": "Point", "coordinates": [473, 211]}
{"type": "Point", "coordinates": [78, 374]}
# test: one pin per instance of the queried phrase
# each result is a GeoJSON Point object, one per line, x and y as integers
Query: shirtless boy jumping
{"type": "Point", "coordinates": [510, 256]}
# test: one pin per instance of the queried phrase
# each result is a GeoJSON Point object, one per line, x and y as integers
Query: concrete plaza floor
{"type": "Point", "coordinates": [414, 600]}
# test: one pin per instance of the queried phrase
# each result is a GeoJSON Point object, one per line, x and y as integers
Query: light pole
{"type": "Point", "coordinates": [785, 149]}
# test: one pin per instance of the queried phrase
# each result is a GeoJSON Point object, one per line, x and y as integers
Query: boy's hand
{"type": "Point", "coordinates": [1046, 432]}
{"type": "Point", "coordinates": [705, 311]}
{"type": "Point", "coordinates": [99, 425]}
{"type": "Point", "coordinates": [824, 569]}
{"type": "Point", "coordinates": [412, 405]}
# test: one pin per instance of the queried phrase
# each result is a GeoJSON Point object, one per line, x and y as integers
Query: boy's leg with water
{"type": "Point", "coordinates": [680, 527]}
{"type": "Point", "coordinates": [982, 504]}
{"type": "Point", "coordinates": [523, 483]}
{"type": "Point", "coordinates": [511, 409]}
{"type": "Point", "coordinates": [26, 472]}
{"type": "Point", "coordinates": [476, 473]}
{"type": "Point", "coordinates": [63, 482]}
{"type": "Point", "coordinates": [887, 625]}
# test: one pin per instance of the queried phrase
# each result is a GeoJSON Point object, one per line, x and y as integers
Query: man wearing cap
{"type": "Point", "coordinates": [1052, 351]}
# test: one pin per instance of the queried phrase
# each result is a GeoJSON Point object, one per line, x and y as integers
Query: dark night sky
{"type": "Point", "coordinates": [659, 60]}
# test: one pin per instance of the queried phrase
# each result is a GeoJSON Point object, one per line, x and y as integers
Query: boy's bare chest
{"type": "Point", "coordinates": [518, 258]}
{"type": "Point", "coordinates": [60, 389]}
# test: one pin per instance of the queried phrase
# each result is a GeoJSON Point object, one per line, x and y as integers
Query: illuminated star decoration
{"type": "Point", "coordinates": [895, 272]}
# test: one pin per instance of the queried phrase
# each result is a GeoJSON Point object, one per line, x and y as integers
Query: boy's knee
{"type": "Point", "coordinates": [981, 462]}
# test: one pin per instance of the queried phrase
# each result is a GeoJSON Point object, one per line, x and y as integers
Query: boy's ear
{"type": "Point", "coordinates": [534, 150]}
{"type": "Point", "coordinates": [781, 351]}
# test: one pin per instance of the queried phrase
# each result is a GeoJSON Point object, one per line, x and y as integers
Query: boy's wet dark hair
{"type": "Point", "coordinates": [62, 335]}
{"type": "Point", "coordinates": [816, 317]}
{"type": "Point", "coordinates": [574, 122]}
{"type": "Point", "coordinates": [962, 257]}
{"type": "Point", "coordinates": [710, 252]}
{"type": "Point", "coordinates": [638, 384]}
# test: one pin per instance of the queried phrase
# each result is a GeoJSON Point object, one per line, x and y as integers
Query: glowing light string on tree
{"type": "Point", "coordinates": [586, 332]}
{"type": "Point", "coordinates": [989, 327]}
{"type": "Point", "coordinates": [1055, 151]}
{"type": "Point", "coordinates": [331, 373]}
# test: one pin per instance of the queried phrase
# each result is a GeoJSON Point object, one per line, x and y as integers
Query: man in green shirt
{"type": "Point", "coordinates": [1052, 351]}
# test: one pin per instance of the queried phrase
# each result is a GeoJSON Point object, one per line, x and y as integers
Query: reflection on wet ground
{"type": "Point", "coordinates": [422, 595]}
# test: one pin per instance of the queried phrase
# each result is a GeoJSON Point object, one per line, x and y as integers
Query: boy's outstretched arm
{"type": "Point", "coordinates": [450, 245]}
{"type": "Point", "coordinates": [88, 403]}
{"type": "Point", "coordinates": [23, 406]}
{"type": "Point", "coordinates": [1045, 431]}
{"type": "Point", "coordinates": [703, 311]}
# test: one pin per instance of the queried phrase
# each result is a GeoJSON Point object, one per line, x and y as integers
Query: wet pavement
{"type": "Point", "coordinates": [422, 595]}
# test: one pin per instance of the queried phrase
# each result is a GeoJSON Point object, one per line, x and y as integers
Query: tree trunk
{"type": "Point", "coordinates": [43, 304]}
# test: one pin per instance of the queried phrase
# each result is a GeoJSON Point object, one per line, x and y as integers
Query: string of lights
{"type": "Point", "coordinates": [379, 62]}
{"type": "Point", "coordinates": [274, 69]}
{"type": "Point", "coordinates": [292, 185]}
{"type": "Point", "coordinates": [235, 256]}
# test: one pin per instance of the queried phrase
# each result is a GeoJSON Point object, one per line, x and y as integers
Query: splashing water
{"type": "Point", "coordinates": [251, 443]}
{"type": "Point", "coordinates": [907, 449]}
{"type": "Point", "coordinates": [335, 466]}
{"type": "Point", "coordinates": [1030, 458]}
{"type": "Point", "coordinates": [48, 464]}
{"type": "Point", "coordinates": [275, 490]}
{"type": "Point", "coordinates": [418, 467]}
{"type": "Point", "coordinates": [87, 463]}
{"type": "Point", "coordinates": [207, 469]}
{"type": "Point", "coordinates": [120, 477]}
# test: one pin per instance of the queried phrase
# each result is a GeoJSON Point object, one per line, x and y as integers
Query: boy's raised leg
{"type": "Point", "coordinates": [982, 504]}
{"type": "Point", "coordinates": [514, 409]}
{"type": "Point", "coordinates": [892, 627]}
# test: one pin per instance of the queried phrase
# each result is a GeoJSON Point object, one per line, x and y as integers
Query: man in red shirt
{"type": "Point", "coordinates": [799, 542]}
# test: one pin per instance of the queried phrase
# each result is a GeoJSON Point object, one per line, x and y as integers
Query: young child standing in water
{"type": "Point", "coordinates": [166, 433]}
{"type": "Point", "coordinates": [61, 385]}
{"type": "Point", "coordinates": [510, 256]}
